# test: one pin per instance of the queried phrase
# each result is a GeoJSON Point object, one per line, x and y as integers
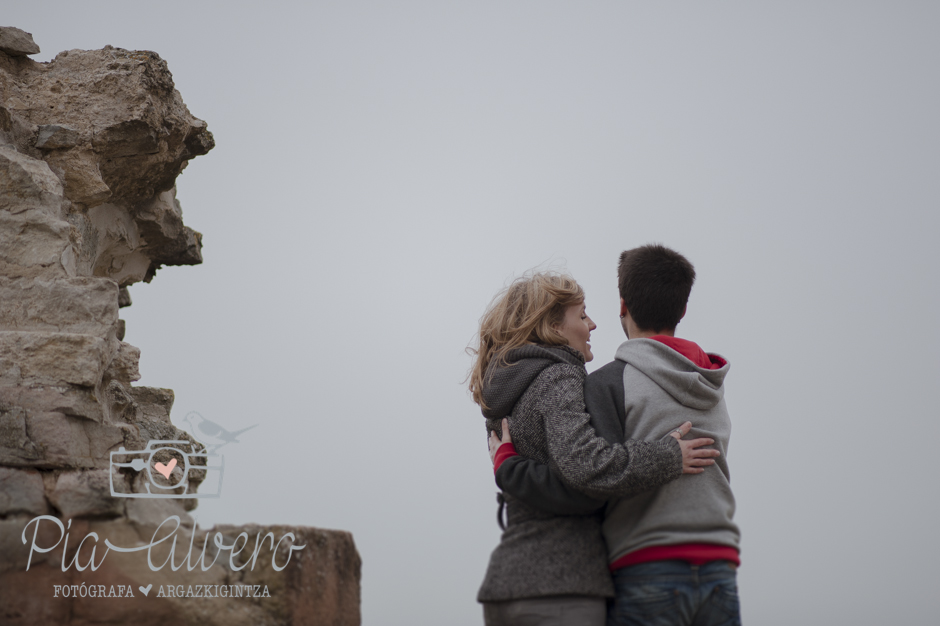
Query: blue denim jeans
{"type": "Point", "coordinates": [675, 593]}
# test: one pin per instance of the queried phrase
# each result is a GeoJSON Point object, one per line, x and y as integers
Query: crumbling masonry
{"type": "Point", "coordinates": [91, 144]}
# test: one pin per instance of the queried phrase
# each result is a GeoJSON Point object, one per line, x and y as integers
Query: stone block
{"type": "Point", "coordinates": [320, 584]}
{"type": "Point", "coordinates": [140, 132]}
{"type": "Point", "coordinates": [85, 494]}
{"type": "Point", "coordinates": [22, 493]}
{"type": "Point", "coordinates": [33, 239]}
{"type": "Point", "coordinates": [55, 137]}
{"type": "Point", "coordinates": [155, 403]}
{"type": "Point", "coordinates": [105, 437]}
{"type": "Point", "coordinates": [61, 439]}
{"type": "Point", "coordinates": [90, 148]}
{"type": "Point", "coordinates": [160, 221]}
{"type": "Point", "coordinates": [57, 441]}
{"type": "Point", "coordinates": [112, 129]}
{"type": "Point", "coordinates": [150, 513]}
{"type": "Point", "coordinates": [23, 604]}
{"type": "Point", "coordinates": [30, 358]}
{"type": "Point", "coordinates": [83, 305]}
{"type": "Point", "coordinates": [124, 365]}
{"type": "Point", "coordinates": [16, 448]}
{"type": "Point", "coordinates": [27, 183]}
{"type": "Point", "coordinates": [66, 399]}
{"type": "Point", "coordinates": [80, 171]}
{"type": "Point", "coordinates": [16, 42]}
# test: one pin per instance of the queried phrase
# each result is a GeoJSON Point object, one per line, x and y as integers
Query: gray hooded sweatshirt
{"type": "Point", "coordinates": [541, 391]}
{"type": "Point", "coordinates": [662, 387]}
{"type": "Point", "coordinates": [645, 393]}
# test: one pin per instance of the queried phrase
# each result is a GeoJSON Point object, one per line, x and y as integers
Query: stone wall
{"type": "Point", "coordinates": [91, 144]}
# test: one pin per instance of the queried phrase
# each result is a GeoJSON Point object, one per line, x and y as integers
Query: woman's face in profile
{"type": "Point", "coordinates": [576, 327]}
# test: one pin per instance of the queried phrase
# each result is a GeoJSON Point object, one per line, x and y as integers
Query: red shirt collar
{"type": "Point", "coordinates": [691, 351]}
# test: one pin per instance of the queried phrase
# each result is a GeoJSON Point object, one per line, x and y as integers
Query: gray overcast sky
{"type": "Point", "coordinates": [383, 168]}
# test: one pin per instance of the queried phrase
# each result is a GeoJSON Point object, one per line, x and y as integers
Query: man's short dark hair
{"type": "Point", "coordinates": [655, 283]}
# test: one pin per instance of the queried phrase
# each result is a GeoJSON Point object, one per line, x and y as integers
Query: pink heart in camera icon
{"type": "Point", "coordinates": [165, 469]}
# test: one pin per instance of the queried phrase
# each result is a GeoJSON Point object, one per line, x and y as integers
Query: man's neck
{"type": "Point", "coordinates": [635, 332]}
{"type": "Point", "coordinates": [646, 334]}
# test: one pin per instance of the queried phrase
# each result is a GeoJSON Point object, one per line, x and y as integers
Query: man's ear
{"type": "Point", "coordinates": [684, 309]}
{"type": "Point", "coordinates": [623, 308]}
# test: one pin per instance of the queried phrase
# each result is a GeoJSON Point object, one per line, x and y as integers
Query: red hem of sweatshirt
{"type": "Point", "coordinates": [691, 351]}
{"type": "Point", "coordinates": [505, 451]}
{"type": "Point", "coordinates": [694, 553]}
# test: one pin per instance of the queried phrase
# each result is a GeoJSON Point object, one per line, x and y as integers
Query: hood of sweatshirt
{"type": "Point", "coordinates": [688, 383]}
{"type": "Point", "coordinates": [504, 385]}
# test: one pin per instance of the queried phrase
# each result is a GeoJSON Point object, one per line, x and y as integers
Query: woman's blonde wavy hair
{"type": "Point", "coordinates": [522, 313]}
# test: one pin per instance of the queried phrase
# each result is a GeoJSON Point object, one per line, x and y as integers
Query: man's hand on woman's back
{"type": "Point", "coordinates": [694, 456]}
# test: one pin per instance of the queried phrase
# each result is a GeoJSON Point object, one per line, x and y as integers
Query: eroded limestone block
{"type": "Point", "coordinates": [34, 243]}
{"type": "Point", "coordinates": [91, 129]}
{"type": "Point", "coordinates": [27, 183]}
{"type": "Point", "coordinates": [90, 148]}
{"type": "Point", "coordinates": [82, 305]}
{"type": "Point", "coordinates": [319, 585]}
{"type": "Point", "coordinates": [85, 494]}
{"type": "Point", "coordinates": [82, 176]}
{"type": "Point", "coordinates": [65, 399]}
{"type": "Point", "coordinates": [124, 364]}
{"type": "Point", "coordinates": [22, 605]}
{"type": "Point", "coordinates": [55, 137]}
{"type": "Point", "coordinates": [151, 513]}
{"type": "Point", "coordinates": [16, 448]}
{"type": "Point", "coordinates": [16, 42]}
{"type": "Point", "coordinates": [124, 298]}
{"type": "Point", "coordinates": [22, 493]}
{"type": "Point", "coordinates": [168, 241]}
{"type": "Point", "coordinates": [30, 358]}
{"type": "Point", "coordinates": [133, 127]}
{"type": "Point", "coordinates": [155, 403]}
{"type": "Point", "coordinates": [56, 441]}
{"type": "Point", "coordinates": [145, 411]}
{"type": "Point", "coordinates": [62, 441]}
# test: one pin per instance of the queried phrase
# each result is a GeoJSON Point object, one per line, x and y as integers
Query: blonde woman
{"type": "Point", "coordinates": [529, 369]}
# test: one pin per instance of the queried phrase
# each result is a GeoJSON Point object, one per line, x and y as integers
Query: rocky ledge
{"type": "Point", "coordinates": [91, 144]}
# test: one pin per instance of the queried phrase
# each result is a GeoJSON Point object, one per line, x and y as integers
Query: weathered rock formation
{"type": "Point", "coordinates": [91, 144]}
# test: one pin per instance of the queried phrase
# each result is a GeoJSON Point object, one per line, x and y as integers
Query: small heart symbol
{"type": "Point", "coordinates": [165, 469]}
{"type": "Point", "coordinates": [146, 590]}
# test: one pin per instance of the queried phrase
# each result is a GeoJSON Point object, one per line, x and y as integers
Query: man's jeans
{"type": "Point", "coordinates": [675, 593]}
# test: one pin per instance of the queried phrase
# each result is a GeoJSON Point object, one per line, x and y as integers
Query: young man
{"type": "Point", "coordinates": [673, 551]}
